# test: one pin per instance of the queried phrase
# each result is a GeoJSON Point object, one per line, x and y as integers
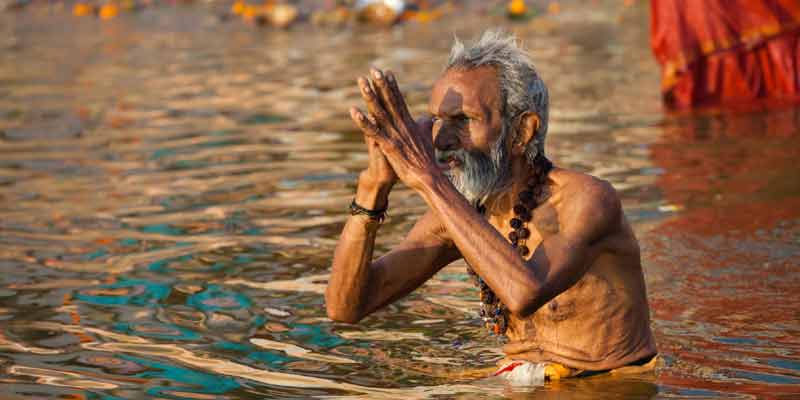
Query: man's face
{"type": "Point", "coordinates": [466, 106]}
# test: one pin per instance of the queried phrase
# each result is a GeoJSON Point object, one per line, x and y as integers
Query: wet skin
{"type": "Point", "coordinates": [578, 299]}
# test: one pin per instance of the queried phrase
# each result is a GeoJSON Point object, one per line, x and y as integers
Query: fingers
{"type": "Point", "coordinates": [375, 106]}
{"type": "Point", "coordinates": [386, 88]}
{"type": "Point", "coordinates": [368, 126]}
{"type": "Point", "coordinates": [381, 89]}
{"type": "Point", "coordinates": [397, 98]}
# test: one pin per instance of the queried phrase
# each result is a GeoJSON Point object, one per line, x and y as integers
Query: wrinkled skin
{"type": "Point", "coordinates": [578, 299]}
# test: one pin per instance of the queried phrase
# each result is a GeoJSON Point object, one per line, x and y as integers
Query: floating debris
{"type": "Point", "coordinates": [278, 15]}
{"type": "Point", "coordinates": [665, 208]}
{"type": "Point", "coordinates": [380, 12]}
{"type": "Point", "coordinates": [423, 12]}
{"type": "Point", "coordinates": [282, 15]}
{"type": "Point", "coordinates": [276, 312]}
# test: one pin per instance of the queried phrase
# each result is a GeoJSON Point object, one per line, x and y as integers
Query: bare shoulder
{"type": "Point", "coordinates": [589, 206]}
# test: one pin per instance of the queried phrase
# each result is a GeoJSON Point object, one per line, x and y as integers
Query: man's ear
{"type": "Point", "coordinates": [526, 131]}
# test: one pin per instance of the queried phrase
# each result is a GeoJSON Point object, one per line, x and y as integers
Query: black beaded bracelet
{"type": "Point", "coordinates": [377, 215]}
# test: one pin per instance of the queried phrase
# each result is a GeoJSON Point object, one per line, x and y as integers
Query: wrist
{"type": "Point", "coordinates": [434, 186]}
{"type": "Point", "coordinates": [430, 182]}
{"type": "Point", "coordinates": [372, 182]}
{"type": "Point", "coordinates": [371, 193]}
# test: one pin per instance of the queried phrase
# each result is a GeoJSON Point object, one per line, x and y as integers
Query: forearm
{"type": "Point", "coordinates": [489, 254]}
{"type": "Point", "coordinates": [347, 293]}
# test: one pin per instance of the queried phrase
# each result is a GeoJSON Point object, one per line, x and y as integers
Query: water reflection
{"type": "Point", "coordinates": [735, 243]}
{"type": "Point", "coordinates": [171, 190]}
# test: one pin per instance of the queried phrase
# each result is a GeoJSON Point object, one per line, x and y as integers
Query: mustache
{"type": "Point", "coordinates": [475, 175]}
{"type": "Point", "coordinates": [443, 156]}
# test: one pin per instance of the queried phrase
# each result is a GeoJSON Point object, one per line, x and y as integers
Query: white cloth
{"type": "Point", "coordinates": [396, 5]}
{"type": "Point", "coordinates": [522, 373]}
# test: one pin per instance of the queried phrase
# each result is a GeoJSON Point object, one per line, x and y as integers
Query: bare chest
{"type": "Point", "coordinates": [543, 222]}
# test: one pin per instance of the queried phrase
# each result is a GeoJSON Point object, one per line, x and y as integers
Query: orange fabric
{"type": "Point", "coordinates": [727, 51]}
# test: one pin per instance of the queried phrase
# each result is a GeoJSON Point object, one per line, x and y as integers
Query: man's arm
{"type": "Point", "coordinates": [358, 286]}
{"type": "Point", "coordinates": [560, 260]}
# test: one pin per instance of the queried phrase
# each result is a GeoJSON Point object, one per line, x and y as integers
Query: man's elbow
{"type": "Point", "coordinates": [343, 315]}
{"type": "Point", "coordinates": [522, 310]}
{"type": "Point", "coordinates": [524, 306]}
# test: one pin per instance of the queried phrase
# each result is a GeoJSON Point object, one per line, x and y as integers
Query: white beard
{"type": "Point", "coordinates": [479, 175]}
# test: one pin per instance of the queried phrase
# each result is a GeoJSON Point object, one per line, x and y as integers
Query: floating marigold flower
{"type": "Point", "coordinates": [517, 9]}
{"type": "Point", "coordinates": [108, 11]}
{"type": "Point", "coordinates": [254, 14]}
{"type": "Point", "coordinates": [238, 7]}
{"type": "Point", "coordinates": [81, 9]}
{"type": "Point", "coordinates": [249, 12]}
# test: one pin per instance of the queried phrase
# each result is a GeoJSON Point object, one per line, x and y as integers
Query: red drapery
{"type": "Point", "coordinates": [727, 51]}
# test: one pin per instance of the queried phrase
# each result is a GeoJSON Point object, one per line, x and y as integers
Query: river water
{"type": "Point", "coordinates": [172, 187]}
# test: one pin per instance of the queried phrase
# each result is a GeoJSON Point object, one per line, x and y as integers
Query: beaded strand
{"type": "Point", "coordinates": [492, 311]}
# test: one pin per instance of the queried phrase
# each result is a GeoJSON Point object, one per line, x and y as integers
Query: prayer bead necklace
{"type": "Point", "coordinates": [493, 312]}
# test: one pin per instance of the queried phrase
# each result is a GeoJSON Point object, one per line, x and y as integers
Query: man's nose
{"type": "Point", "coordinates": [444, 139]}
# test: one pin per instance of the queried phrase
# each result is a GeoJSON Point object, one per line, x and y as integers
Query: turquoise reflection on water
{"type": "Point", "coordinates": [768, 378]}
{"type": "Point", "coordinates": [197, 382]}
{"type": "Point", "coordinates": [161, 266]}
{"type": "Point", "coordinates": [787, 364]}
{"type": "Point", "coordinates": [315, 334]}
{"type": "Point", "coordinates": [95, 254]}
{"type": "Point", "coordinates": [242, 259]}
{"type": "Point", "coordinates": [732, 340]}
{"type": "Point", "coordinates": [274, 359]}
{"type": "Point", "coordinates": [140, 292]}
{"type": "Point", "coordinates": [160, 153]}
{"type": "Point", "coordinates": [215, 298]}
{"type": "Point", "coordinates": [232, 346]}
{"type": "Point", "coordinates": [128, 242]}
{"type": "Point", "coordinates": [271, 358]}
{"type": "Point", "coordinates": [163, 229]}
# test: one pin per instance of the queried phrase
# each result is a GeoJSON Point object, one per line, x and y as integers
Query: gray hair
{"type": "Point", "coordinates": [521, 89]}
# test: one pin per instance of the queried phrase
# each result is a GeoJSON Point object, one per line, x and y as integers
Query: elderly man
{"type": "Point", "coordinates": [555, 260]}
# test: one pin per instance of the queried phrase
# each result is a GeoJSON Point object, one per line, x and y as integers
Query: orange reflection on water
{"type": "Point", "coordinates": [724, 294]}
